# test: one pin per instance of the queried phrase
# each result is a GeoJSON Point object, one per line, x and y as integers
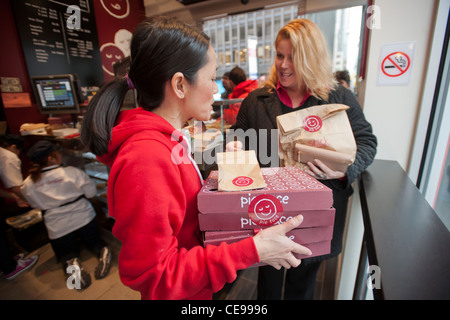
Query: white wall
{"type": "Point", "coordinates": [393, 110]}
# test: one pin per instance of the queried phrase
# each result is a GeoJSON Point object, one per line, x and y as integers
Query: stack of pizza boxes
{"type": "Point", "coordinates": [230, 216]}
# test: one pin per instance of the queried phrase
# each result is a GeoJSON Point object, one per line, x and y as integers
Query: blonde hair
{"type": "Point", "coordinates": [310, 56]}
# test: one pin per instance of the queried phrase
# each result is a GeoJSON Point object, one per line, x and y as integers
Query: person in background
{"type": "Point", "coordinates": [11, 146]}
{"type": "Point", "coordinates": [11, 178]}
{"type": "Point", "coordinates": [241, 88]}
{"type": "Point", "coordinates": [226, 85]}
{"type": "Point", "coordinates": [154, 182]}
{"type": "Point", "coordinates": [62, 194]}
{"type": "Point", "coordinates": [301, 77]}
{"type": "Point", "coordinates": [343, 78]}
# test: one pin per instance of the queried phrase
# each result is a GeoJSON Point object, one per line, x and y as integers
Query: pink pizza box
{"type": "Point", "coordinates": [242, 220]}
{"type": "Point", "coordinates": [291, 189]}
{"type": "Point", "coordinates": [301, 236]}
{"type": "Point", "coordinates": [318, 239]}
{"type": "Point", "coordinates": [317, 248]}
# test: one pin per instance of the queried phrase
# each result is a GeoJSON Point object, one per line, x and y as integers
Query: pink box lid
{"type": "Point", "coordinates": [242, 220]}
{"type": "Point", "coordinates": [302, 235]}
{"type": "Point", "coordinates": [317, 249]}
{"type": "Point", "coordinates": [294, 189]}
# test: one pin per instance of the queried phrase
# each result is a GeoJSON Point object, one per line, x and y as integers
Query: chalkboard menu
{"type": "Point", "coordinates": [58, 39]}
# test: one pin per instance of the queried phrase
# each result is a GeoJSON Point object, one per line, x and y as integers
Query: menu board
{"type": "Point", "coordinates": [58, 40]}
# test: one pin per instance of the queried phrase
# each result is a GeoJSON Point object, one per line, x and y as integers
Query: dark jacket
{"type": "Point", "coordinates": [259, 111]}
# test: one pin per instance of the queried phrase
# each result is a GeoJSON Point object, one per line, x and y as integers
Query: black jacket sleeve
{"type": "Point", "coordinates": [366, 141]}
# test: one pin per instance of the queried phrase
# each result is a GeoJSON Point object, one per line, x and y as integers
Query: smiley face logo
{"type": "Point", "coordinates": [312, 123]}
{"type": "Point", "coordinates": [242, 181]}
{"type": "Point", "coordinates": [110, 55]}
{"type": "Point", "coordinates": [119, 9]}
{"type": "Point", "coordinates": [265, 210]}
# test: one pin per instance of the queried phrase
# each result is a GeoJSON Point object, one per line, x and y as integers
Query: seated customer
{"type": "Point", "coordinates": [61, 193]}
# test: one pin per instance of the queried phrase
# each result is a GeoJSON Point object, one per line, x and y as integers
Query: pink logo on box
{"type": "Point", "coordinates": [242, 181]}
{"type": "Point", "coordinates": [312, 123]}
{"type": "Point", "coordinates": [265, 210]}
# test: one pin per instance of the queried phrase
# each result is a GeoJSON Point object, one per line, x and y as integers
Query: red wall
{"type": "Point", "coordinates": [12, 62]}
{"type": "Point", "coordinates": [116, 20]}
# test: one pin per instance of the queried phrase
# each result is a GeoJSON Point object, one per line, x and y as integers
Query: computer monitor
{"type": "Point", "coordinates": [56, 94]}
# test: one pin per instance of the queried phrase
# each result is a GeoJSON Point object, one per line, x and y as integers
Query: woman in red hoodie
{"type": "Point", "coordinates": [153, 182]}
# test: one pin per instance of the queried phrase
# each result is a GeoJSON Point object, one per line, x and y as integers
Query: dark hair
{"type": "Point", "coordinates": [160, 47]}
{"type": "Point", "coordinates": [37, 165]}
{"type": "Point", "coordinates": [8, 140]}
{"type": "Point", "coordinates": [342, 75]}
{"type": "Point", "coordinates": [237, 75]}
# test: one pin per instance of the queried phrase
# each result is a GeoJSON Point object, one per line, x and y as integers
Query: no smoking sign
{"type": "Point", "coordinates": [395, 64]}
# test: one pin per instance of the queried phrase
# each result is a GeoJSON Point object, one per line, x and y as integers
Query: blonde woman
{"type": "Point", "coordinates": [302, 77]}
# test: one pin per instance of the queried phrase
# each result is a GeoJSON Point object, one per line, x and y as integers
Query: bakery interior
{"type": "Point", "coordinates": [400, 208]}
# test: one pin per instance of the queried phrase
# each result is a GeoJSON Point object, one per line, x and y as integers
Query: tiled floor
{"type": "Point", "coordinates": [46, 281]}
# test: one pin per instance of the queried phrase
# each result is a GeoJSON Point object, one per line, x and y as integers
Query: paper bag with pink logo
{"type": "Point", "coordinates": [320, 132]}
{"type": "Point", "coordinates": [239, 171]}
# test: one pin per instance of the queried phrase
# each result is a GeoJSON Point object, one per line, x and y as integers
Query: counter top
{"type": "Point", "coordinates": [405, 238]}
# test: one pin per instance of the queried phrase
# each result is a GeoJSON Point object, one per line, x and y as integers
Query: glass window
{"type": "Point", "coordinates": [242, 35]}
{"type": "Point", "coordinates": [267, 53]}
{"type": "Point", "coordinates": [243, 56]}
{"type": "Point", "coordinates": [342, 30]}
{"type": "Point", "coordinates": [227, 35]}
{"type": "Point", "coordinates": [234, 31]}
{"type": "Point", "coordinates": [228, 57]}
{"type": "Point", "coordinates": [260, 53]}
{"type": "Point", "coordinates": [434, 180]}
{"type": "Point", "coordinates": [259, 29]}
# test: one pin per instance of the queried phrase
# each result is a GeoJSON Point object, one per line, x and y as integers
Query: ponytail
{"type": "Point", "coordinates": [37, 165]}
{"type": "Point", "coordinates": [101, 114]}
{"type": "Point", "coordinates": [35, 172]}
{"type": "Point", "coordinates": [160, 47]}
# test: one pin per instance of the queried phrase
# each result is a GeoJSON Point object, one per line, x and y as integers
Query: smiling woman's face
{"type": "Point", "coordinates": [284, 65]}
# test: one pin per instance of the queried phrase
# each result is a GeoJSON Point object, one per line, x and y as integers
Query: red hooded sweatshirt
{"type": "Point", "coordinates": [152, 194]}
{"type": "Point", "coordinates": [241, 91]}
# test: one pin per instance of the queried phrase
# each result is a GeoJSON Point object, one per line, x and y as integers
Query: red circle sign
{"type": "Point", "coordinates": [395, 64]}
{"type": "Point", "coordinates": [312, 123]}
{"type": "Point", "coordinates": [242, 181]}
{"type": "Point", "coordinates": [265, 210]}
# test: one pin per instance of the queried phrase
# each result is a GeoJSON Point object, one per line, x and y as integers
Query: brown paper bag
{"type": "Point", "coordinates": [239, 171]}
{"type": "Point", "coordinates": [320, 132]}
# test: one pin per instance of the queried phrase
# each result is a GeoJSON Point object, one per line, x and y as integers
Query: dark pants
{"type": "Point", "coordinates": [7, 262]}
{"type": "Point", "coordinates": [8, 209]}
{"type": "Point", "coordinates": [299, 283]}
{"type": "Point", "coordinates": [68, 247]}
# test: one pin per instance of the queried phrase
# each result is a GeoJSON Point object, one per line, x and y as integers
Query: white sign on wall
{"type": "Point", "coordinates": [395, 64]}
